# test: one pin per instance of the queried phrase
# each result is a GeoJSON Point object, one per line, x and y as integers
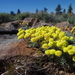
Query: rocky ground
{"type": "Point", "coordinates": [17, 58]}
{"type": "Point", "coordinates": [5, 38]}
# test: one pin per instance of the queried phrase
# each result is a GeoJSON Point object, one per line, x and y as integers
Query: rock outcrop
{"type": "Point", "coordinates": [31, 21]}
{"type": "Point", "coordinates": [15, 48]}
{"type": "Point", "coordinates": [41, 23]}
{"type": "Point", "coordinates": [9, 26]}
{"type": "Point", "coordinates": [63, 24]}
{"type": "Point", "coordinates": [12, 25]}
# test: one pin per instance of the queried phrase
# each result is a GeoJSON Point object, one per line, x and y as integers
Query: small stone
{"type": "Point", "coordinates": [5, 73]}
{"type": "Point", "coordinates": [61, 73]}
{"type": "Point", "coordinates": [19, 67]}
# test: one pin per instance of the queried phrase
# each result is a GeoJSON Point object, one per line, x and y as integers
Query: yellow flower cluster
{"type": "Point", "coordinates": [49, 37]}
{"type": "Point", "coordinates": [23, 23]}
{"type": "Point", "coordinates": [25, 33]}
{"type": "Point", "coordinates": [20, 34]}
{"type": "Point", "coordinates": [53, 52]}
{"type": "Point", "coordinates": [73, 30]}
{"type": "Point", "coordinates": [73, 58]}
{"type": "Point", "coordinates": [69, 49]}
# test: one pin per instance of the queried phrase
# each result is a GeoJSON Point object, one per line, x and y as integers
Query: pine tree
{"type": "Point", "coordinates": [45, 9]}
{"type": "Point", "coordinates": [18, 11]}
{"type": "Point", "coordinates": [70, 9]}
{"type": "Point", "coordinates": [12, 13]}
{"type": "Point", "coordinates": [37, 11]}
{"type": "Point", "coordinates": [58, 9]}
{"type": "Point", "coordinates": [64, 11]}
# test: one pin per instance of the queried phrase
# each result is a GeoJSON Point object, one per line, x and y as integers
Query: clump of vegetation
{"type": "Point", "coordinates": [43, 15]}
{"type": "Point", "coordinates": [5, 17]}
{"type": "Point", "coordinates": [55, 43]}
{"type": "Point", "coordinates": [21, 16]}
{"type": "Point", "coordinates": [71, 20]}
{"type": "Point", "coordinates": [24, 25]}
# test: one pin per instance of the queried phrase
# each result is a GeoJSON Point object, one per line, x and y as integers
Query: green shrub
{"type": "Point", "coordinates": [5, 17]}
{"type": "Point", "coordinates": [44, 16]}
{"type": "Point", "coordinates": [21, 16]}
{"type": "Point", "coordinates": [71, 20]}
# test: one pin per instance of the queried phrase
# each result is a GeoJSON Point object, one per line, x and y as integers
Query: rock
{"type": "Point", "coordinates": [9, 26]}
{"type": "Point", "coordinates": [46, 24]}
{"type": "Point", "coordinates": [12, 25]}
{"type": "Point", "coordinates": [19, 67]}
{"type": "Point", "coordinates": [35, 22]}
{"type": "Point", "coordinates": [3, 41]}
{"type": "Point", "coordinates": [16, 23]}
{"type": "Point", "coordinates": [8, 38]}
{"type": "Point", "coordinates": [61, 73]}
{"type": "Point", "coordinates": [28, 20]}
{"type": "Point", "coordinates": [41, 23]}
{"type": "Point", "coordinates": [5, 73]}
{"type": "Point", "coordinates": [31, 21]}
{"type": "Point", "coordinates": [63, 24]}
{"type": "Point", "coordinates": [11, 49]}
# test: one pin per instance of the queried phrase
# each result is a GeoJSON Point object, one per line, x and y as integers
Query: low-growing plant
{"type": "Point", "coordinates": [52, 41]}
{"type": "Point", "coordinates": [39, 57]}
{"type": "Point", "coordinates": [10, 68]}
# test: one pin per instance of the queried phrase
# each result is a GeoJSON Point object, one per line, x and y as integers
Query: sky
{"type": "Point", "coordinates": [31, 5]}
